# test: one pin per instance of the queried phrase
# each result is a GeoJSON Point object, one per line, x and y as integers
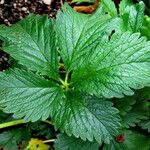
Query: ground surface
{"type": "Point", "coordinates": [12, 11]}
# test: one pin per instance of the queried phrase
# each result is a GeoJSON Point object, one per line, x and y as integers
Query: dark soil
{"type": "Point", "coordinates": [12, 11]}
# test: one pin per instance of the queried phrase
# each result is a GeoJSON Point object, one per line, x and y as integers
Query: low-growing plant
{"type": "Point", "coordinates": [84, 74]}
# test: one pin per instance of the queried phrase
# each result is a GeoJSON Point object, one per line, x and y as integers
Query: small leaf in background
{"type": "Point", "coordinates": [132, 14]}
{"type": "Point", "coordinates": [140, 111]}
{"type": "Point", "coordinates": [9, 140]}
{"type": "Point", "coordinates": [124, 105]}
{"type": "Point", "coordinates": [145, 29]}
{"type": "Point", "coordinates": [109, 7]}
{"type": "Point", "coordinates": [42, 129]}
{"type": "Point", "coordinates": [35, 144]}
{"type": "Point", "coordinates": [145, 124]}
{"type": "Point", "coordinates": [130, 141]}
{"type": "Point", "coordinates": [124, 4]}
{"type": "Point", "coordinates": [65, 142]}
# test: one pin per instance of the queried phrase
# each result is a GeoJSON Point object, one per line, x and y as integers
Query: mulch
{"type": "Point", "coordinates": [12, 11]}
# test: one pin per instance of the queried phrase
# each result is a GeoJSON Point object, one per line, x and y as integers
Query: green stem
{"type": "Point", "coordinates": [47, 121]}
{"type": "Point", "coordinates": [17, 122]}
{"type": "Point", "coordinates": [61, 81]}
{"type": "Point", "coordinates": [66, 81]}
{"type": "Point", "coordinates": [66, 78]}
{"type": "Point", "coordinates": [11, 123]}
{"type": "Point", "coordinates": [48, 141]}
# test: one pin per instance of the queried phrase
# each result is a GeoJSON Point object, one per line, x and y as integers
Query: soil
{"type": "Point", "coordinates": [12, 11]}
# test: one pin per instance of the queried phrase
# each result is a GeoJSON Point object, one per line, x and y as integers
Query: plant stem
{"type": "Point", "coordinates": [66, 81]}
{"type": "Point", "coordinates": [66, 78]}
{"type": "Point", "coordinates": [17, 122]}
{"type": "Point", "coordinates": [47, 121]}
{"type": "Point", "coordinates": [11, 123]}
{"type": "Point", "coordinates": [48, 141]}
{"type": "Point", "coordinates": [61, 2]}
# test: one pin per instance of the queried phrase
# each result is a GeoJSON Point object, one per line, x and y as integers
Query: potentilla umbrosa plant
{"type": "Point", "coordinates": [80, 70]}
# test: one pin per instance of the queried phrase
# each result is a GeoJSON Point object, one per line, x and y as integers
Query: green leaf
{"type": "Point", "coordinates": [139, 111]}
{"type": "Point", "coordinates": [143, 94]}
{"type": "Point", "coordinates": [132, 14]}
{"type": "Point", "coordinates": [145, 30]}
{"type": "Point", "coordinates": [124, 105]}
{"type": "Point", "coordinates": [123, 6]}
{"type": "Point", "coordinates": [28, 95]}
{"type": "Point", "coordinates": [133, 141]}
{"type": "Point", "coordinates": [32, 42]}
{"type": "Point", "coordinates": [115, 67]}
{"type": "Point", "coordinates": [65, 142]}
{"type": "Point", "coordinates": [109, 7]}
{"type": "Point", "coordinates": [145, 124]}
{"type": "Point", "coordinates": [9, 140]}
{"type": "Point", "coordinates": [87, 117]}
{"type": "Point", "coordinates": [37, 98]}
{"type": "Point", "coordinates": [78, 34]}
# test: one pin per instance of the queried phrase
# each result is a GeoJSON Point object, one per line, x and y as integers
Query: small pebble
{"type": "Point", "coordinates": [2, 2]}
{"type": "Point", "coordinates": [24, 9]}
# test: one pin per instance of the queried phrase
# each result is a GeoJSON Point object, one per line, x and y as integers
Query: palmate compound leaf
{"type": "Point", "coordinates": [31, 42]}
{"type": "Point", "coordinates": [27, 95]}
{"type": "Point", "coordinates": [108, 68]}
{"type": "Point", "coordinates": [37, 98]}
{"type": "Point", "coordinates": [130, 141]}
{"type": "Point", "coordinates": [115, 66]}
{"type": "Point", "coordinates": [65, 142]}
{"type": "Point", "coordinates": [78, 34]}
{"type": "Point", "coordinates": [87, 117]}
